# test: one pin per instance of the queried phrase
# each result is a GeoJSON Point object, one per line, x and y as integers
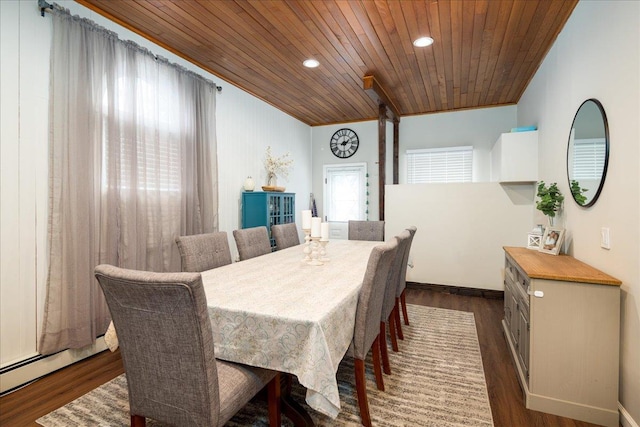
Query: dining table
{"type": "Point", "coordinates": [277, 311]}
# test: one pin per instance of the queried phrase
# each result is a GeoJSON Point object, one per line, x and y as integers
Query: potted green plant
{"type": "Point", "coordinates": [549, 200]}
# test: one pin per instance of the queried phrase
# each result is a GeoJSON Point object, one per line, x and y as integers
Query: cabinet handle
{"type": "Point", "coordinates": [537, 294]}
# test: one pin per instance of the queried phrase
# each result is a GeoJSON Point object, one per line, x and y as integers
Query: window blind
{"type": "Point", "coordinates": [438, 165]}
{"type": "Point", "coordinates": [588, 158]}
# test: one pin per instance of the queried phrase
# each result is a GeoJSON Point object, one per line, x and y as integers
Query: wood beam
{"type": "Point", "coordinates": [373, 88]}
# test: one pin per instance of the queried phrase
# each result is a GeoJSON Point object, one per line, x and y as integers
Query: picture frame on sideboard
{"type": "Point", "coordinates": [551, 241]}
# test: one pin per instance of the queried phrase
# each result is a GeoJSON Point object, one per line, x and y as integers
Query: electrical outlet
{"type": "Point", "coordinates": [605, 239]}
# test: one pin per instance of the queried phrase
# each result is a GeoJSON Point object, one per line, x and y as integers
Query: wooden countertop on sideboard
{"type": "Point", "coordinates": [538, 265]}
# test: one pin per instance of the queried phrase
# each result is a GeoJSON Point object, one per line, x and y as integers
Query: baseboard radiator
{"type": "Point", "coordinates": [24, 372]}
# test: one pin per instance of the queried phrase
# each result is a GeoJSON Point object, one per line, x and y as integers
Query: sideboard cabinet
{"type": "Point", "coordinates": [562, 325]}
{"type": "Point", "coordinates": [267, 208]}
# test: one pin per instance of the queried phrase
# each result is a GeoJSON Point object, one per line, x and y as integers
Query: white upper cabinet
{"type": "Point", "coordinates": [514, 157]}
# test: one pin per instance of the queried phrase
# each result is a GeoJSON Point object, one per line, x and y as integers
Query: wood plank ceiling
{"type": "Point", "coordinates": [485, 51]}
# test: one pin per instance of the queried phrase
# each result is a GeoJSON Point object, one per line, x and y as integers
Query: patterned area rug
{"type": "Point", "coordinates": [437, 380]}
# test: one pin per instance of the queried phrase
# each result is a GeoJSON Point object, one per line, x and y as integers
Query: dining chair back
{"type": "Point", "coordinates": [167, 348]}
{"type": "Point", "coordinates": [202, 252]}
{"type": "Point", "coordinates": [252, 242]}
{"type": "Point", "coordinates": [389, 303]}
{"type": "Point", "coordinates": [402, 284]}
{"type": "Point", "coordinates": [366, 230]}
{"type": "Point", "coordinates": [285, 235]}
{"type": "Point", "coordinates": [367, 326]}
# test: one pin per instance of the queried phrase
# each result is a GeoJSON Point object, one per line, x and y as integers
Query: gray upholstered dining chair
{"type": "Point", "coordinates": [166, 341]}
{"type": "Point", "coordinates": [389, 304]}
{"type": "Point", "coordinates": [252, 242]}
{"type": "Point", "coordinates": [367, 327]}
{"type": "Point", "coordinates": [366, 230]}
{"type": "Point", "coordinates": [285, 235]}
{"type": "Point", "coordinates": [202, 252]}
{"type": "Point", "coordinates": [402, 285]}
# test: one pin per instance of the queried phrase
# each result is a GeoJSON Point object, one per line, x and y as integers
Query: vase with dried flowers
{"type": "Point", "coordinates": [277, 166]}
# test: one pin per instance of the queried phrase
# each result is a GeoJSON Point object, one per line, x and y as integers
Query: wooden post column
{"type": "Point", "coordinates": [396, 150]}
{"type": "Point", "coordinates": [382, 145]}
{"type": "Point", "coordinates": [386, 111]}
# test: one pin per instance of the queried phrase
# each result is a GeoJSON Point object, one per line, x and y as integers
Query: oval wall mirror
{"type": "Point", "coordinates": [588, 152]}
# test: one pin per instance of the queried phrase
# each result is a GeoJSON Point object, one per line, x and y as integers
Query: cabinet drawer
{"type": "Point", "coordinates": [510, 302]}
{"type": "Point", "coordinates": [520, 280]}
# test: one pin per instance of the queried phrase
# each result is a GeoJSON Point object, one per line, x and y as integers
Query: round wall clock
{"type": "Point", "coordinates": [344, 143]}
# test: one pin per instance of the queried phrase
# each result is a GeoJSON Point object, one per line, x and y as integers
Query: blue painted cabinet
{"type": "Point", "coordinates": [267, 208]}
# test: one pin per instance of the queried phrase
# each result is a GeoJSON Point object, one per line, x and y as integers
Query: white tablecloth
{"type": "Point", "coordinates": [275, 311]}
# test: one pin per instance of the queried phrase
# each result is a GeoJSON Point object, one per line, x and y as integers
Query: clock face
{"type": "Point", "coordinates": [344, 143]}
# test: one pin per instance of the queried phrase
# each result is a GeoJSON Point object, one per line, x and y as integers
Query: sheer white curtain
{"type": "Point", "coordinates": [132, 166]}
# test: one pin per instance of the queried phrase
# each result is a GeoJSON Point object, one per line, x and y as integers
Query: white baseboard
{"type": "Point", "coordinates": [625, 417]}
{"type": "Point", "coordinates": [38, 368]}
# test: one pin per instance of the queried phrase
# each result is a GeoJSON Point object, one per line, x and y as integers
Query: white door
{"type": "Point", "coordinates": [344, 196]}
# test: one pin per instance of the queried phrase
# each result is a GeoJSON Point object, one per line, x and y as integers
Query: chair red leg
{"type": "Point", "coordinates": [274, 400]}
{"type": "Point", "coordinates": [377, 366]}
{"type": "Point", "coordinates": [386, 366]}
{"type": "Point", "coordinates": [392, 331]}
{"type": "Point", "coordinates": [138, 421]}
{"type": "Point", "coordinates": [404, 307]}
{"type": "Point", "coordinates": [361, 388]}
{"type": "Point", "coordinates": [396, 313]}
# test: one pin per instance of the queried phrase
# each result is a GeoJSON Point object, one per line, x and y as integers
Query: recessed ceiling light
{"type": "Point", "coordinates": [310, 63]}
{"type": "Point", "coordinates": [423, 41]}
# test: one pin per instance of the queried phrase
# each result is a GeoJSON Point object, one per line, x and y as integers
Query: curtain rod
{"type": "Point", "coordinates": [43, 5]}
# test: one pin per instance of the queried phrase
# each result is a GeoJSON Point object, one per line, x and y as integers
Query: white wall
{"type": "Point", "coordinates": [24, 85]}
{"type": "Point", "coordinates": [245, 127]}
{"type": "Point", "coordinates": [475, 220]}
{"type": "Point", "coordinates": [461, 229]}
{"type": "Point", "coordinates": [597, 55]}
{"type": "Point", "coordinates": [367, 153]}
{"type": "Point", "coordinates": [479, 128]}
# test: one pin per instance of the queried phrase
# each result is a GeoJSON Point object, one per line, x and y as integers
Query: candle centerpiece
{"type": "Point", "coordinates": [324, 240]}
{"type": "Point", "coordinates": [306, 228]}
{"type": "Point", "coordinates": [316, 226]}
{"type": "Point", "coordinates": [324, 232]}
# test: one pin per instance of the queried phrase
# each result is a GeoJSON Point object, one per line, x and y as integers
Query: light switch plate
{"type": "Point", "coordinates": [605, 238]}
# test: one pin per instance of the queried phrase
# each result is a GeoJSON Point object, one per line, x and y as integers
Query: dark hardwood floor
{"type": "Point", "coordinates": [505, 395]}
{"type": "Point", "coordinates": [24, 406]}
